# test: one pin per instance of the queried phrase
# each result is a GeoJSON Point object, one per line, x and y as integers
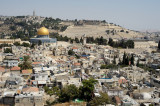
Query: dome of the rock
{"type": "Point", "coordinates": [43, 31]}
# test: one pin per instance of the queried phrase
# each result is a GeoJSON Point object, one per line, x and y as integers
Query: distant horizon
{"type": "Point", "coordinates": [138, 15]}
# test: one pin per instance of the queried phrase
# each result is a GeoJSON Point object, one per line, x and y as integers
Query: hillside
{"type": "Point", "coordinates": [26, 27]}
{"type": "Point", "coordinates": [105, 30]}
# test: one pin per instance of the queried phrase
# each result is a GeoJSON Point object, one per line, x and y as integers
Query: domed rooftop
{"type": "Point", "coordinates": [43, 31]}
{"type": "Point", "coordinates": [122, 78]}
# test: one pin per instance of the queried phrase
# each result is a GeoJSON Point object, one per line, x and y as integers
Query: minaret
{"type": "Point", "coordinates": [84, 39]}
{"type": "Point", "coordinates": [34, 14]}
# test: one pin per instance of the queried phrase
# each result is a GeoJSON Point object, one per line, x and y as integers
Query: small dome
{"type": "Point", "coordinates": [122, 78]}
{"type": "Point", "coordinates": [43, 31]}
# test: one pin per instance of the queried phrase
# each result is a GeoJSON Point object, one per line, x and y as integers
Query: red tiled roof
{"type": "Point", "coordinates": [2, 69]}
{"type": "Point", "coordinates": [30, 89]}
{"type": "Point", "coordinates": [74, 48]}
{"type": "Point", "coordinates": [25, 72]}
{"type": "Point", "coordinates": [60, 61]}
{"type": "Point", "coordinates": [15, 68]}
{"type": "Point", "coordinates": [27, 54]}
{"type": "Point", "coordinates": [83, 57]}
{"type": "Point", "coordinates": [34, 63]}
{"type": "Point", "coordinates": [77, 64]}
{"type": "Point", "coordinates": [71, 58]}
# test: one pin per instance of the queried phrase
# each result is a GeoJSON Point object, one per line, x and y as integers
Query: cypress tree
{"type": "Point", "coordinates": [132, 60]}
{"type": "Point", "coordinates": [110, 41]}
{"type": "Point", "coordinates": [76, 40]}
{"type": "Point", "coordinates": [137, 63]}
{"type": "Point", "coordinates": [39, 42]}
{"type": "Point", "coordinates": [81, 40]}
{"type": "Point", "coordinates": [159, 45]}
{"type": "Point", "coordinates": [120, 62]}
{"type": "Point", "coordinates": [101, 41]}
{"type": "Point", "coordinates": [127, 61]}
{"type": "Point", "coordinates": [114, 60]}
{"type": "Point", "coordinates": [124, 58]}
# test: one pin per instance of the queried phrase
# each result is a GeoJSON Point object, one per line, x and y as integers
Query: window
{"type": "Point", "coordinates": [31, 100]}
{"type": "Point", "coordinates": [17, 101]}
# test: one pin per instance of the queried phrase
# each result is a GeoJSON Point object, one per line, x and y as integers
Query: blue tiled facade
{"type": "Point", "coordinates": [43, 39]}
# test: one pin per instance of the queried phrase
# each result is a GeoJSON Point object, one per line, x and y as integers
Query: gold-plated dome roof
{"type": "Point", "coordinates": [43, 31]}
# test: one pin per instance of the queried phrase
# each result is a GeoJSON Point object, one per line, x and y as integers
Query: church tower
{"type": "Point", "coordinates": [84, 39]}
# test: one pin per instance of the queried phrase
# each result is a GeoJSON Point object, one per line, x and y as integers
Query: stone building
{"type": "Point", "coordinates": [43, 37]}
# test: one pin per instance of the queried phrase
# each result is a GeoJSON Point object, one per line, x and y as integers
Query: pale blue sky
{"type": "Point", "coordinates": [132, 14]}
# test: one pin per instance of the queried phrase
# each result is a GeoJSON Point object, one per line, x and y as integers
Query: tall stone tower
{"type": "Point", "coordinates": [34, 14]}
{"type": "Point", "coordinates": [84, 39]}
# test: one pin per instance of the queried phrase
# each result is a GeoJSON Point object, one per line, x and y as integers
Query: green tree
{"type": "Point", "coordinates": [114, 60]}
{"type": "Point", "coordinates": [12, 28]}
{"type": "Point", "coordinates": [77, 40]}
{"type": "Point", "coordinates": [130, 44]}
{"type": "Point", "coordinates": [32, 45]}
{"type": "Point", "coordinates": [107, 31]}
{"type": "Point", "coordinates": [71, 40]}
{"type": "Point", "coordinates": [5, 45]}
{"type": "Point", "coordinates": [68, 93]}
{"type": "Point", "coordinates": [108, 66]}
{"type": "Point", "coordinates": [56, 91]}
{"type": "Point", "coordinates": [86, 91]}
{"type": "Point", "coordinates": [17, 44]}
{"type": "Point", "coordinates": [71, 52]}
{"type": "Point", "coordinates": [120, 63]}
{"type": "Point", "coordinates": [39, 42]}
{"type": "Point", "coordinates": [124, 58]}
{"type": "Point", "coordinates": [104, 21]}
{"type": "Point", "coordinates": [122, 30]}
{"type": "Point", "coordinates": [8, 50]}
{"type": "Point", "coordinates": [25, 44]}
{"type": "Point", "coordinates": [159, 45]}
{"type": "Point", "coordinates": [81, 40]}
{"type": "Point", "coordinates": [132, 60]}
{"type": "Point", "coordinates": [53, 52]}
{"type": "Point", "coordinates": [137, 63]}
{"type": "Point", "coordinates": [65, 39]}
{"type": "Point", "coordinates": [122, 44]}
{"type": "Point", "coordinates": [77, 56]}
{"type": "Point", "coordinates": [111, 42]}
{"type": "Point", "coordinates": [52, 91]}
{"type": "Point", "coordinates": [63, 28]}
{"type": "Point", "coordinates": [101, 41]}
{"type": "Point", "coordinates": [127, 61]}
{"type": "Point", "coordinates": [103, 66]}
{"type": "Point", "coordinates": [26, 63]}
{"type": "Point", "coordinates": [102, 100]}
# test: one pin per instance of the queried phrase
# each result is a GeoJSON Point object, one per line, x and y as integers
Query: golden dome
{"type": "Point", "coordinates": [43, 31]}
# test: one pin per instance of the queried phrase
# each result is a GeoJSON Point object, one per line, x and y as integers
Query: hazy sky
{"type": "Point", "coordinates": [131, 14]}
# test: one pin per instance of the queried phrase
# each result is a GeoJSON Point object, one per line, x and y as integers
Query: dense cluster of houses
{"type": "Point", "coordinates": [127, 86]}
